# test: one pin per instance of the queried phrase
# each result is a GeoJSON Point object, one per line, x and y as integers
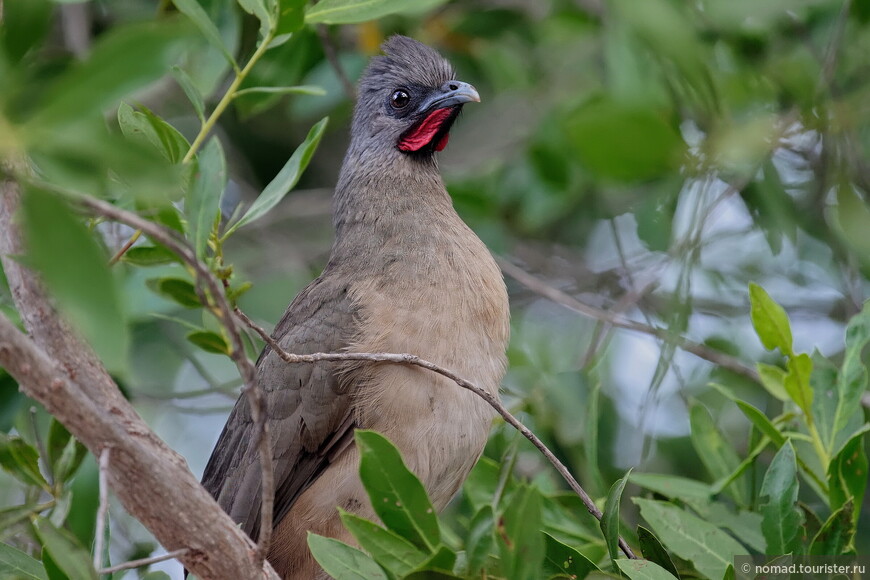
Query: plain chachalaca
{"type": "Point", "coordinates": [405, 275]}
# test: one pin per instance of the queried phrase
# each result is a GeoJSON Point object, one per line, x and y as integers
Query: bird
{"type": "Point", "coordinates": [405, 275]}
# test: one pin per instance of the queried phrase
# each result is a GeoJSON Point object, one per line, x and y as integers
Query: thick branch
{"type": "Point", "coordinates": [413, 360]}
{"type": "Point", "coordinates": [54, 367]}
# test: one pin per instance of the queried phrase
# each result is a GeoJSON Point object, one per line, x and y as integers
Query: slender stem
{"type": "Point", "coordinates": [103, 509]}
{"type": "Point", "coordinates": [142, 562]}
{"type": "Point", "coordinates": [824, 457]}
{"type": "Point", "coordinates": [127, 245]}
{"type": "Point", "coordinates": [227, 98]}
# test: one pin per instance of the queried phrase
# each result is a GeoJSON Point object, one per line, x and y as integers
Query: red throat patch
{"type": "Point", "coordinates": [423, 133]}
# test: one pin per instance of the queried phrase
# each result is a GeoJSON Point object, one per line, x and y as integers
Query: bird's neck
{"type": "Point", "coordinates": [384, 197]}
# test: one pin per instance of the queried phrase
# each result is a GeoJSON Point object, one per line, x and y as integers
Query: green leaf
{"type": "Point", "coordinates": [761, 422]}
{"type": "Point", "coordinates": [209, 341]}
{"type": "Point", "coordinates": [836, 534]}
{"type": "Point", "coordinates": [343, 562]}
{"type": "Point", "coordinates": [291, 17]}
{"type": "Point", "coordinates": [770, 320]}
{"type": "Point", "coordinates": [520, 540]}
{"type": "Point", "coordinates": [442, 560]}
{"type": "Point", "coordinates": [716, 453]}
{"type": "Point", "coordinates": [285, 180]}
{"type": "Point", "coordinates": [176, 289]}
{"type": "Point", "coordinates": [390, 550]}
{"type": "Point", "coordinates": [653, 550]}
{"type": "Point", "coordinates": [149, 256]}
{"type": "Point", "coordinates": [590, 441]}
{"type": "Point", "coordinates": [847, 474]}
{"type": "Point", "coordinates": [203, 199]}
{"type": "Point", "coordinates": [781, 516]}
{"type": "Point", "coordinates": [772, 379]}
{"type": "Point", "coordinates": [20, 459]}
{"type": "Point", "coordinates": [565, 560]}
{"type": "Point", "coordinates": [65, 453]}
{"type": "Point", "coordinates": [265, 12]}
{"type": "Point", "coordinates": [610, 518]}
{"type": "Point", "coordinates": [148, 127]}
{"type": "Point", "coordinates": [709, 548]}
{"type": "Point", "coordinates": [852, 380]}
{"type": "Point", "coordinates": [193, 94]}
{"type": "Point", "coordinates": [797, 383]}
{"type": "Point", "coordinates": [25, 24]}
{"type": "Point", "coordinates": [18, 565]}
{"type": "Point", "coordinates": [643, 570]}
{"type": "Point", "coordinates": [197, 14]}
{"type": "Point", "coordinates": [479, 541]}
{"type": "Point", "coordinates": [297, 90]}
{"type": "Point", "coordinates": [673, 486]}
{"type": "Point", "coordinates": [624, 142]}
{"type": "Point", "coordinates": [397, 496]}
{"type": "Point", "coordinates": [70, 556]}
{"type": "Point", "coordinates": [108, 75]}
{"type": "Point", "coordinates": [352, 11]}
{"type": "Point", "coordinates": [84, 287]}
{"type": "Point", "coordinates": [13, 515]}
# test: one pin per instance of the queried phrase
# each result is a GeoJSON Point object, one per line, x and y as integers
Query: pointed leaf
{"type": "Point", "coordinates": [772, 379]}
{"type": "Point", "coordinates": [107, 75]}
{"type": "Point", "coordinates": [396, 494]}
{"type": "Point", "coordinates": [610, 518]}
{"type": "Point", "coordinates": [673, 486]}
{"type": "Point", "coordinates": [520, 540]}
{"type": "Point", "coordinates": [565, 560]}
{"type": "Point", "coordinates": [716, 453]}
{"type": "Point", "coordinates": [643, 570]}
{"type": "Point", "coordinates": [390, 550]}
{"type": "Point", "coordinates": [852, 380]}
{"type": "Point", "coordinates": [20, 459]}
{"type": "Point", "coordinates": [847, 474]}
{"type": "Point", "coordinates": [480, 541]}
{"type": "Point", "coordinates": [209, 341]}
{"type": "Point", "coordinates": [343, 562]}
{"type": "Point", "coordinates": [66, 551]}
{"type": "Point", "coordinates": [709, 548]}
{"type": "Point", "coordinates": [145, 126]}
{"type": "Point", "coordinates": [85, 289]}
{"type": "Point", "coordinates": [16, 564]}
{"type": "Point", "coordinates": [352, 11]}
{"type": "Point", "coordinates": [761, 422]}
{"type": "Point", "coordinates": [149, 256]}
{"type": "Point", "coordinates": [781, 517]}
{"type": "Point", "coordinates": [197, 14]}
{"type": "Point", "coordinates": [770, 320]}
{"type": "Point", "coordinates": [176, 289]}
{"type": "Point", "coordinates": [441, 561]}
{"type": "Point", "coordinates": [836, 534]}
{"type": "Point", "coordinates": [797, 382]}
{"type": "Point", "coordinates": [286, 178]}
{"type": "Point", "coordinates": [203, 199]}
{"type": "Point", "coordinates": [193, 94]}
{"type": "Point", "coordinates": [653, 550]}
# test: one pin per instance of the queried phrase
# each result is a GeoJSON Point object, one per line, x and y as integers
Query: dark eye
{"type": "Point", "coordinates": [399, 99]}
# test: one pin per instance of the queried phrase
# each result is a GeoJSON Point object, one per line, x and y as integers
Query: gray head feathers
{"type": "Point", "coordinates": [406, 62]}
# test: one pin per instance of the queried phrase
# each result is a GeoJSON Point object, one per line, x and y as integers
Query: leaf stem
{"type": "Point", "coordinates": [228, 97]}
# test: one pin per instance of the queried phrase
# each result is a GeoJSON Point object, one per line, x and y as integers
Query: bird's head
{"type": "Point", "coordinates": [408, 99]}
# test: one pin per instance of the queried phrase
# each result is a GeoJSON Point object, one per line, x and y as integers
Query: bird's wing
{"type": "Point", "coordinates": [308, 408]}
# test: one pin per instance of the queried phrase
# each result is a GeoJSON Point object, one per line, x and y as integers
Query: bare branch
{"type": "Point", "coordinates": [714, 356]}
{"type": "Point", "coordinates": [54, 367]}
{"type": "Point", "coordinates": [103, 509]}
{"type": "Point", "coordinates": [142, 562]}
{"type": "Point", "coordinates": [413, 360]}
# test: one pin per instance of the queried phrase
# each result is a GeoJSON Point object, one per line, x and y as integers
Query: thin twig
{"type": "Point", "coordinates": [103, 509]}
{"type": "Point", "coordinates": [413, 360]}
{"type": "Point", "coordinates": [142, 562]}
{"type": "Point", "coordinates": [700, 350]}
{"type": "Point", "coordinates": [332, 58]}
{"type": "Point", "coordinates": [174, 242]}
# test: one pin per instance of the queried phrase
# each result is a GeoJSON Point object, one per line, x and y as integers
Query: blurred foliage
{"type": "Point", "coordinates": [655, 159]}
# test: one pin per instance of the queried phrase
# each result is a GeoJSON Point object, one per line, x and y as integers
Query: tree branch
{"type": "Point", "coordinates": [54, 367]}
{"type": "Point", "coordinates": [413, 360]}
{"type": "Point", "coordinates": [541, 288]}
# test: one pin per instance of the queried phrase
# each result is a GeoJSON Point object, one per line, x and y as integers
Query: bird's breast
{"type": "Point", "coordinates": [444, 301]}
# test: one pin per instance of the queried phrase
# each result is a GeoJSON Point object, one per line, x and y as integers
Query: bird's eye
{"type": "Point", "coordinates": [399, 99]}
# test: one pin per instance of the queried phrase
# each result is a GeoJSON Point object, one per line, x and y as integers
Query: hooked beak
{"type": "Point", "coordinates": [451, 93]}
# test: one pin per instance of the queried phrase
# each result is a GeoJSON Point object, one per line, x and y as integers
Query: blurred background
{"type": "Point", "coordinates": [645, 158]}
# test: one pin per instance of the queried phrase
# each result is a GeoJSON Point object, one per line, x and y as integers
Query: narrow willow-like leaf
{"type": "Point", "coordinates": [770, 320]}
{"type": "Point", "coordinates": [342, 562]}
{"type": "Point", "coordinates": [610, 517]}
{"type": "Point", "coordinates": [781, 518]}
